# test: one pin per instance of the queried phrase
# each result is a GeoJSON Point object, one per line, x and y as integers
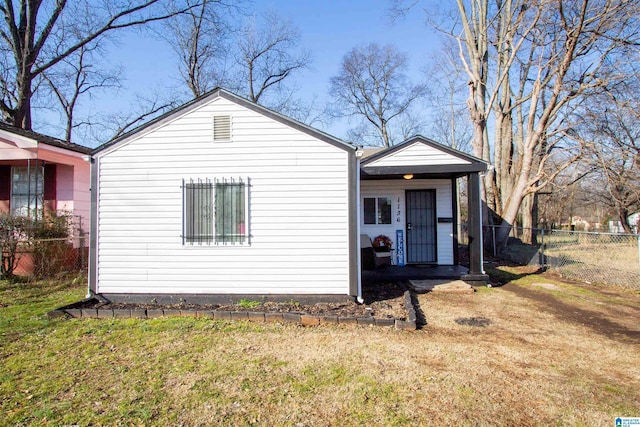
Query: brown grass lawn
{"type": "Point", "coordinates": [549, 353]}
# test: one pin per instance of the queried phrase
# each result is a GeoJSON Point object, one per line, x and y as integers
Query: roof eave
{"type": "Point", "coordinates": [29, 136]}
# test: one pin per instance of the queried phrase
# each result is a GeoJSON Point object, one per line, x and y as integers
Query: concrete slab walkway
{"type": "Point", "coordinates": [440, 285]}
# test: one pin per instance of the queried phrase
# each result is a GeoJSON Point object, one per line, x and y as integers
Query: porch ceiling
{"type": "Point", "coordinates": [419, 171]}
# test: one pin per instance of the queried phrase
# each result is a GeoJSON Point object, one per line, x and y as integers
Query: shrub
{"type": "Point", "coordinates": [49, 245]}
{"type": "Point", "coordinates": [14, 231]}
{"type": "Point", "coordinates": [44, 237]}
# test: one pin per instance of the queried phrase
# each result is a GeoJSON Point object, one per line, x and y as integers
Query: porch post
{"type": "Point", "coordinates": [476, 275]}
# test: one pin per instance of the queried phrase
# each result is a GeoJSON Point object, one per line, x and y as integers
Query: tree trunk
{"type": "Point", "coordinates": [518, 193]}
{"type": "Point", "coordinates": [623, 217]}
{"type": "Point", "coordinates": [385, 134]}
{"type": "Point", "coordinates": [530, 219]}
{"type": "Point", "coordinates": [22, 114]}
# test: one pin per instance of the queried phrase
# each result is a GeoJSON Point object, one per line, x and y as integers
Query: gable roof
{"type": "Point", "coordinates": [420, 155]}
{"type": "Point", "coordinates": [368, 152]}
{"type": "Point", "coordinates": [44, 139]}
{"type": "Point", "coordinates": [222, 93]}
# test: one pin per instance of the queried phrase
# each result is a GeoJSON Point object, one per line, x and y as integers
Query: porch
{"type": "Point", "coordinates": [409, 194]}
{"type": "Point", "coordinates": [395, 273]}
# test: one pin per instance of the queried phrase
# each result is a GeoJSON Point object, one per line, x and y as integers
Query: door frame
{"type": "Point", "coordinates": [434, 194]}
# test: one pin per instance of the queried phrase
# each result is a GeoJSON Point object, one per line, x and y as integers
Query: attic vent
{"type": "Point", "coordinates": [222, 128]}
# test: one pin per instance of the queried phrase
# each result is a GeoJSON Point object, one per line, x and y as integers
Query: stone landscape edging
{"type": "Point", "coordinates": [75, 310]}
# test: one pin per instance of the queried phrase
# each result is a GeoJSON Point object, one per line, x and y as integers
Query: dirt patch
{"type": "Point", "coordinates": [609, 311]}
{"type": "Point", "coordinates": [381, 301]}
{"type": "Point", "coordinates": [598, 319]}
{"type": "Point", "coordinates": [549, 286]}
{"type": "Point", "coordinates": [473, 321]}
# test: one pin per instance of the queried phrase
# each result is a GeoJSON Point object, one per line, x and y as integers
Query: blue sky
{"type": "Point", "coordinates": [328, 28]}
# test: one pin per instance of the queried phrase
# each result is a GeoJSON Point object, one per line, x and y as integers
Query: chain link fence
{"type": "Point", "coordinates": [50, 258]}
{"type": "Point", "coordinates": [607, 258]}
{"type": "Point", "coordinates": [44, 245]}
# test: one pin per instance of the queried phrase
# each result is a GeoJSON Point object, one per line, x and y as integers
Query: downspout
{"type": "Point", "coordinates": [359, 298]}
{"type": "Point", "coordinates": [93, 228]}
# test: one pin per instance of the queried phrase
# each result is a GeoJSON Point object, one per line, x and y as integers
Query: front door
{"type": "Point", "coordinates": [421, 227]}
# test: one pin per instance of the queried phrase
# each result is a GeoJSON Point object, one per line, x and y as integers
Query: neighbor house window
{"type": "Point", "coordinates": [27, 190]}
{"type": "Point", "coordinates": [216, 211]}
{"type": "Point", "coordinates": [377, 210]}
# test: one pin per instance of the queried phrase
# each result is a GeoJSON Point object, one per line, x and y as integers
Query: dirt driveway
{"type": "Point", "coordinates": [609, 312]}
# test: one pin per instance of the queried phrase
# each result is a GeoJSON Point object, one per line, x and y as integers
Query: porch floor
{"type": "Point", "coordinates": [394, 273]}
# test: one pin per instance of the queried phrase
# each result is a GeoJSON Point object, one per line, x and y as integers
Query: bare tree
{"type": "Point", "coordinates": [255, 59]}
{"type": "Point", "coordinates": [144, 108]}
{"type": "Point", "coordinates": [448, 118]}
{"type": "Point", "coordinates": [548, 58]}
{"type": "Point", "coordinates": [202, 40]}
{"type": "Point", "coordinates": [79, 78]}
{"type": "Point", "coordinates": [35, 36]}
{"type": "Point", "coordinates": [571, 194]}
{"type": "Point", "coordinates": [268, 54]}
{"type": "Point", "coordinates": [529, 66]}
{"type": "Point", "coordinates": [372, 85]}
{"type": "Point", "coordinates": [614, 129]}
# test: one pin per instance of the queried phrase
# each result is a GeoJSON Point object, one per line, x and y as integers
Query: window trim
{"type": "Point", "coordinates": [31, 171]}
{"type": "Point", "coordinates": [376, 206]}
{"type": "Point", "coordinates": [212, 238]}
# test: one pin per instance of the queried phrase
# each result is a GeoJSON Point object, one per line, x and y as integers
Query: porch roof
{"type": "Point", "coordinates": [29, 140]}
{"type": "Point", "coordinates": [420, 157]}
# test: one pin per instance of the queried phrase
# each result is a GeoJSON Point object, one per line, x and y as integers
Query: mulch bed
{"type": "Point", "coordinates": [380, 301]}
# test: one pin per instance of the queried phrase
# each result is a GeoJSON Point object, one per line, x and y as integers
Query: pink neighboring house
{"type": "Point", "coordinates": [38, 172]}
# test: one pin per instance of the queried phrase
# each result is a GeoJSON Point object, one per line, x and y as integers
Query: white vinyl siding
{"type": "Point", "coordinates": [419, 154]}
{"type": "Point", "coordinates": [395, 189]}
{"type": "Point", "coordinates": [298, 209]}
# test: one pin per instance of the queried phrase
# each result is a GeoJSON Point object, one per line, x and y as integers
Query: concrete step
{"type": "Point", "coordinates": [443, 286]}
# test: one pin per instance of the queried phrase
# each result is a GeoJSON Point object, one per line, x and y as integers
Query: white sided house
{"type": "Point", "coordinates": [408, 193]}
{"type": "Point", "coordinates": [222, 199]}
